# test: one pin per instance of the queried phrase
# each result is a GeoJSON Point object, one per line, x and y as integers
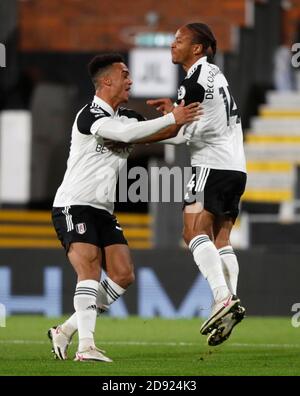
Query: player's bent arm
{"type": "Point", "coordinates": [179, 139]}
{"type": "Point", "coordinates": [116, 130]}
{"type": "Point", "coordinates": [166, 133]}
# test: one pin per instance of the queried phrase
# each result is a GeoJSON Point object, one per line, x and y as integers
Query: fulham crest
{"type": "Point", "coordinates": [80, 228]}
{"type": "Point", "coordinates": [181, 92]}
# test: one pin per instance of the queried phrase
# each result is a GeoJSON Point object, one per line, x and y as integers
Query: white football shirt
{"type": "Point", "coordinates": [216, 139]}
{"type": "Point", "coordinates": [93, 169]}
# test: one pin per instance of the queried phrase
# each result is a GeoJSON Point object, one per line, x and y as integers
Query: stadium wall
{"type": "Point", "coordinates": [56, 25]}
{"type": "Point", "coordinates": [168, 283]}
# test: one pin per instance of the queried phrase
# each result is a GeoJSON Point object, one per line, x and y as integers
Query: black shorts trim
{"type": "Point", "coordinates": [219, 191]}
{"type": "Point", "coordinates": [86, 224]}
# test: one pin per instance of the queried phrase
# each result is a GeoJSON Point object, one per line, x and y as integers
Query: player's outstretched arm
{"type": "Point", "coordinates": [129, 133]}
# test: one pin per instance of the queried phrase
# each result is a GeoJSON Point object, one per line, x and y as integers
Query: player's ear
{"type": "Point", "coordinates": [107, 81]}
{"type": "Point", "coordinates": [198, 49]}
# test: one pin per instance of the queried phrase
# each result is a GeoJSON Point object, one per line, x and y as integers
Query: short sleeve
{"type": "Point", "coordinates": [191, 90]}
{"type": "Point", "coordinates": [88, 116]}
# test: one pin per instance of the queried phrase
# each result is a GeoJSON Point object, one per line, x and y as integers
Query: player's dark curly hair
{"type": "Point", "coordinates": [100, 62]}
{"type": "Point", "coordinates": [202, 34]}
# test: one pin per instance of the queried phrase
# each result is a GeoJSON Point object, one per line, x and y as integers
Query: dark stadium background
{"type": "Point", "coordinates": [48, 44]}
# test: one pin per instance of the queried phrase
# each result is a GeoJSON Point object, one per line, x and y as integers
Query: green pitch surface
{"type": "Point", "coordinates": [258, 346]}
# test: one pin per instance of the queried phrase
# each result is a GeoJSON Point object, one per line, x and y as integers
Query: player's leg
{"type": "Point", "coordinates": [77, 232]}
{"type": "Point", "coordinates": [120, 275]}
{"type": "Point", "coordinates": [117, 264]}
{"type": "Point", "coordinates": [117, 260]}
{"type": "Point", "coordinates": [202, 205]}
{"type": "Point", "coordinates": [61, 335]}
{"type": "Point", "coordinates": [222, 230]}
{"type": "Point", "coordinates": [233, 189]}
{"type": "Point", "coordinates": [85, 259]}
{"type": "Point", "coordinates": [198, 235]}
{"type": "Point", "coordinates": [119, 268]}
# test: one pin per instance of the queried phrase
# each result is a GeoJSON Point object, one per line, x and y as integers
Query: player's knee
{"type": "Point", "coordinates": [90, 269]}
{"type": "Point", "coordinates": [124, 278]}
{"type": "Point", "coordinates": [189, 233]}
{"type": "Point", "coordinates": [130, 278]}
{"type": "Point", "coordinates": [220, 243]}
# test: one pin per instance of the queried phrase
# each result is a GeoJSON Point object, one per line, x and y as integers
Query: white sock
{"type": "Point", "coordinates": [69, 327]}
{"type": "Point", "coordinates": [207, 258]}
{"type": "Point", "coordinates": [230, 267]}
{"type": "Point", "coordinates": [86, 312]}
{"type": "Point", "coordinates": [104, 299]}
{"type": "Point", "coordinates": [108, 292]}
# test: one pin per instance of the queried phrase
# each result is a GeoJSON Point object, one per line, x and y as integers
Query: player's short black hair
{"type": "Point", "coordinates": [202, 34]}
{"type": "Point", "coordinates": [100, 62]}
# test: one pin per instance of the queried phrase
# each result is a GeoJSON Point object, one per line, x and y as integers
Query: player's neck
{"type": "Point", "coordinates": [187, 65]}
{"type": "Point", "coordinates": [112, 102]}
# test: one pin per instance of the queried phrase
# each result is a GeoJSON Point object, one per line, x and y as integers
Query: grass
{"type": "Point", "coordinates": [157, 347]}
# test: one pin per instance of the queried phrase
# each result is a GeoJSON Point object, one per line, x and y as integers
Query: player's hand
{"type": "Point", "coordinates": [117, 147]}
{"type": "Point", "coordinates": [164, 105]}
{"type": "Point", "coordinates": [185, 114]}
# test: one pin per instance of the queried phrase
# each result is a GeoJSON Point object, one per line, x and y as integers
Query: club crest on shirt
{"type": "Point", "coordinates": [181, 92]}
{"type": "Point", "coordinates": [80, 228]}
